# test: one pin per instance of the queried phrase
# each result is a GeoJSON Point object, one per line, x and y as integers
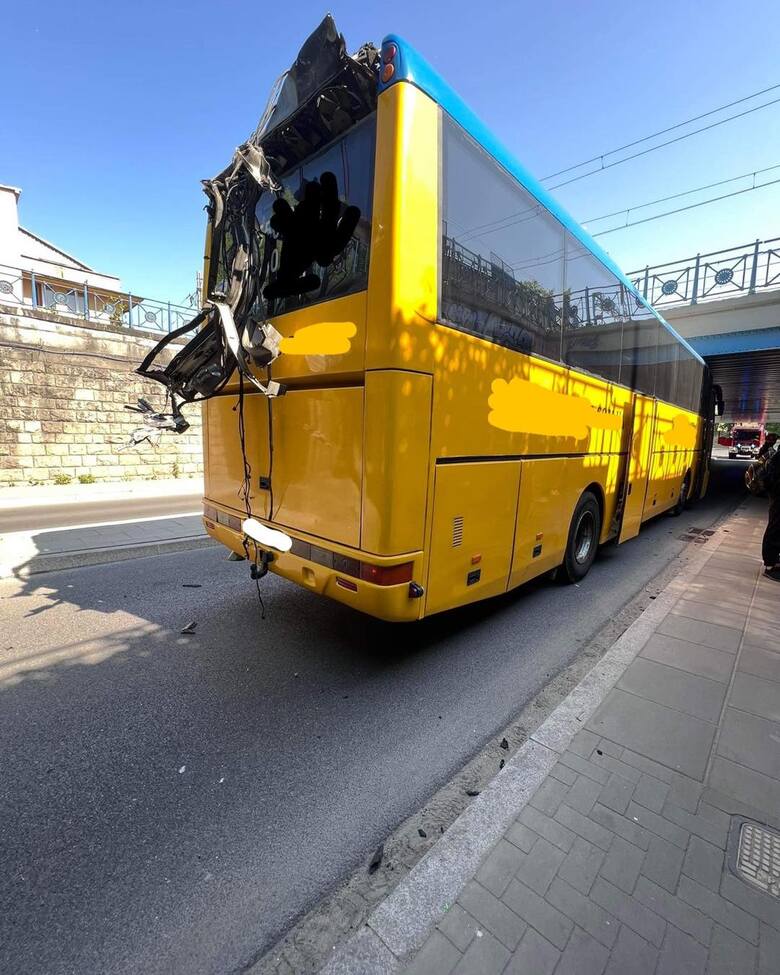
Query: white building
{"type": "Point", "coordinates": [39, 275]}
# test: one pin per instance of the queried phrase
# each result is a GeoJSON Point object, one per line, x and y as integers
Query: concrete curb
{"type": "Point", "coordinates": [56, 561]}
{"type": "Point", "coordinates": [400, 925]}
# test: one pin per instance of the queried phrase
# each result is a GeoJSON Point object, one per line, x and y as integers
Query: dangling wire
{"type": "Point", "coordinates": [246, 489]}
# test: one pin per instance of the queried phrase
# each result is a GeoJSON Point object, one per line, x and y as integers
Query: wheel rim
{"type": "Point", "coordinates": [584, 537]}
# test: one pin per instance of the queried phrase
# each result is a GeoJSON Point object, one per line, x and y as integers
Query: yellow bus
{"type": "Point", "coordinates": [445, 388]}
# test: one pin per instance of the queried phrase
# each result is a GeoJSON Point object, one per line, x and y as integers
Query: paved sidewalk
{"type": "Point", "coordinates": [29, 553]}
{"type": "Point", "coordinates": [612, 848]}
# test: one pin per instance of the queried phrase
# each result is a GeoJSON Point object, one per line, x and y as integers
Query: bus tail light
{"type": "Point", "coordinates": [386, 575]}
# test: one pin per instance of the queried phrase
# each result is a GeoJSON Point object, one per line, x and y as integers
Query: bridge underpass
{"type": "Point", "coordinates": [727, 306]}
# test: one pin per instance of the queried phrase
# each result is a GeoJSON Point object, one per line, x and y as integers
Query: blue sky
{"type": "Point", "coordinates": [113, 113]}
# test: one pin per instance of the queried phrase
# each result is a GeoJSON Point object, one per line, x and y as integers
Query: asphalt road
{"type": "Point", "coordinates": [95, 511]}
{"type": "Point", "coordinates": [170, 804]}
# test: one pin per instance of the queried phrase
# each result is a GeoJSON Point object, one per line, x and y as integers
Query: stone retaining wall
{"type": "Point", "coordinates": [64, 385]}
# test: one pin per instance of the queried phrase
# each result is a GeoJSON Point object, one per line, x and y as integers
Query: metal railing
{"type": "Point", "coordinates": [746, 269]}
{"type": "Point", "coordinates": [35, 290]}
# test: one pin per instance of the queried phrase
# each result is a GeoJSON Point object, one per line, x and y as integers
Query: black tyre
{"type": "Point", "coordinates": [583, 539]}
{"type": "Point", "coordinates": [682, 499]}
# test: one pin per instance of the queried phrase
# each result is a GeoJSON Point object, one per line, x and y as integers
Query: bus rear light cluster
{"type": "Point", "coordinates": [345, 565]}
{"type": "Point", "coordinates": [389, 52]}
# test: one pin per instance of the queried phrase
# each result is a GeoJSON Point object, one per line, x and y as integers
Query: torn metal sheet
{"type": "Point", "coordinates": [260, 268]}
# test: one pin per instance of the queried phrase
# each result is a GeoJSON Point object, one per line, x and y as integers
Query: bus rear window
{"type": "Point", "coordinates": [351, 161]}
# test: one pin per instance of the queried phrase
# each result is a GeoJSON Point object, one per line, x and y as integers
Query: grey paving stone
{"type": "Point", "coordinates": [663, 734]}
{"type": "Point", "coordinates": [484, 956]}
{"type": "Point", "coordinates": [549, 796]}
{"type": "Point", "coordinates": [659, 825]}
{"type": "Point", "coordinates": [557, 834]}
{"type": "Point", "coordinates": [438, 956]}
{"type": "Point", "coordinates": [730, 955]}
{"type": "Point", "coordinates": [685, 792]}
{"type": "Point", "coordinates": [583, 826]}
{"type": "Point", "coordinates": [632, 955]}
{"type": "Point", "coordinates": [459, 926]}
{"type": "Point", "coordinates": [744, 784]}
{"type": "Point", "coordinates": [610, 748]}
{"type": "Point", "coordinates": [534, 956]}
{"type": "Point", "coordinates": [583, 956]}
{"type": "Point", "coordinates": [696, 695]}
{"type": "Point", "coordinates": [522, 837]}
{"type": "Point", "coordinates": [582, 864]}
{"type": "Point", "coordinates": [583, 794]}
{"type": "Point", "coordinates": [615, 766]}
{"type": "Point", "coordinates": [712, 635]}
{"type": "Point", "coordinates": [574, 761]}
{"type": "Point", "coordinates": [733, 616]}
{"type": "Point", "coordinates": [584, 910]}
{"type": "Point", "coordinates": [751, 900]}
{"type": "Point", "coordinates": [690, 657]}
{"type": "Point", "coordinates": [712, 827]}
{"type": "Point", "coordinates": [663, 863]}
{"type": "Point", "coordinates": [537, 912]}
{"type": "Point", "coordinates": [564, 774]}
{"type": "Point", "coordinates": [750, 741]}
{"type": "Point", "coordinates": [492, 914]}
{"type": "Point", "coordinates": [756, 695]}
{"type": "Point", "coordinates": [681, 954]}
{"type": "Point", "coordinates": [616, 794]}
{"type": "Point", "coordinates": [651, 793]}
{"type": "Point", "coordinates": [719, 909]}
{"type": "Point", "coordinates": [648, 766]}
{"type": "Point", "coordinates": [583, 743]}
{"type": "Point", "coordinates": [674, 910]}
{"type": "Point", "coordinates": [622, 864]}
{"type": "Point", "coordinates": [768, 950]}
{"type": "Point", "coordinates": [761, 662]}
{"type": "Point", "coordinates": [540, 866]}
{"type": "Point", "coordinates": [500, 865]}
{"type": "Point", "coordinates": [704, 863]}
{"type": "Point", "coordinates": [619, 824]}
{"type": "Point", "coordinates": [630, 911]}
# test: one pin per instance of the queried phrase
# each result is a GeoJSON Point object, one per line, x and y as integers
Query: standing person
{"type": "Point", "coordinates": [771, 440]}
{"type": "Point", "coordinates": [770, 548]}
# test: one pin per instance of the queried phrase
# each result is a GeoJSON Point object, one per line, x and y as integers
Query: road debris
{"type": "Point", "coordinates": [189, 628]}
{"type": "Point", "coordinates": [192, 585]}
{"type": "Point", "coordinates": [376, 859]}
{"type": "Point", "coordinates": [422, 833]}
{"type": "Point", "coordinates": [182, 770]}
{"type": "Point", "coordinates": [472, 792]}
{"type": "Point", "coordinates": [504, 744]}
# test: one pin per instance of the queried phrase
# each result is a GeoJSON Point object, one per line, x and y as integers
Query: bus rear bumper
{"type": "Point", "coordinates": [394, 603]}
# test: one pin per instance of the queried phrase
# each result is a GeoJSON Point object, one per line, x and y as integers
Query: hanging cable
{"type": "Point", "coordinates": [654, 135]}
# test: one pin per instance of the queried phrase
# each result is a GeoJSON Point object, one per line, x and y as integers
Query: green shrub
{"type": "Point", "coordinates": [87, 479]}
{"type": "Point", "coordinates": [62, 478]}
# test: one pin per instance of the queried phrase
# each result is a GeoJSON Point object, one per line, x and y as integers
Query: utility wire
{"type": "Point", "coordinates": [677, 196]}
{"type": "Point", "coordinates": [692, 206]}
{"type": "Point", "coordinates": [671, 128]}
{"type": "Point", "coordinates": [661, 145]}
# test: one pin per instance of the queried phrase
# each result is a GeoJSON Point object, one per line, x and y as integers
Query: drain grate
{"type": "Point", "coordinates": [758, 857]}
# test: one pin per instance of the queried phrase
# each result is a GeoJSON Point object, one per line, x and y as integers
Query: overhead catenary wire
{"type": "Point", "coordinates": [670, 128]}
{"type": "Point", "coordinates": [692, 206]}
{"type": "Point", "coordinates": [662, 145]}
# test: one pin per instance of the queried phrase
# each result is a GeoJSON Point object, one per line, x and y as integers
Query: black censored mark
{"type": "Point", "coordinates": [312, 233]}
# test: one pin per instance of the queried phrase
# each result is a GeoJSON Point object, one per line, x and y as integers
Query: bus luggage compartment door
{"type": "Point", "coordinates": [474, 511]}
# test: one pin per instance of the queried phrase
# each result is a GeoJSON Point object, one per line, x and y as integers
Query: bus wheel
{"type": "Point", "coordinates": [682, 500]}
{"type": "Point", "coordinates": [583, 539]}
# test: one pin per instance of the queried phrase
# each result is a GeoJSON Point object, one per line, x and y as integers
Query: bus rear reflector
{"type": "Point", "coordinates": [346, 584]}
{"type": "Point", "coordinates": [386, 575]}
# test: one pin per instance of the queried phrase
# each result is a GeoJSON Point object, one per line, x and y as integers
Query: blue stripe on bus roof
{"type": "Point", "coordinates": [411, 66]}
